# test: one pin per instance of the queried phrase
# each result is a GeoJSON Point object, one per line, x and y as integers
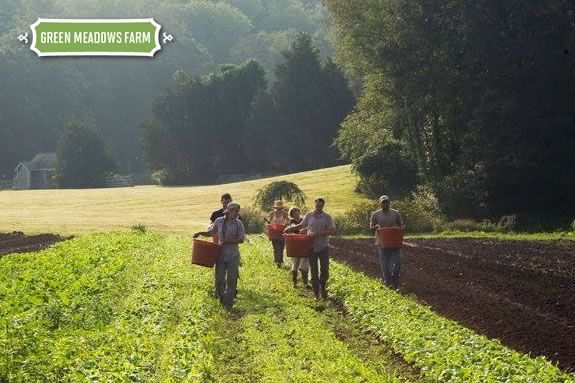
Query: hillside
{"type": "Point", "coordinates": [167, 209]}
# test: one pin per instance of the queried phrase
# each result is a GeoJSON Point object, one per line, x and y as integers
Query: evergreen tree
{"type": "Point", "coordinates": [197, 127]}
{"type": "Point", "coordinates": [299, 117]}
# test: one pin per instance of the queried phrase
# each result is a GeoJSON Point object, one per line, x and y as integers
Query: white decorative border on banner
{"type": "Point", "coordinates": [140, 54]}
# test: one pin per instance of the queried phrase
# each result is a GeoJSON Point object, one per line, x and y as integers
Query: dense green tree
{"type": "Point", "coordinates": [294, 124]}
{"type": "Point", "coordinates": [38, 96]}
{"type": "Point", "coordinates": [83, 161]}
{"type": "Point", "coordinates": [478, 93]}
{"type": "Point", "coordinates": [217, 26]}
{"type": "Point", "coordinates": [196, 132]}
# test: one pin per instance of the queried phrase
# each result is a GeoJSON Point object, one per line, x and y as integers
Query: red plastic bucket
{"type": "Point", "coordinates": [276, 231]}
{"type": "Point", "coordinates": [205, 253]}
{"type": "Point", "coordinates": [298, 245]}
{"type": "Point", "coordinates": [391, 237]}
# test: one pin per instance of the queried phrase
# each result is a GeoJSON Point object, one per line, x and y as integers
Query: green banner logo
{"type": "Point", "coordinates": [96, 37]}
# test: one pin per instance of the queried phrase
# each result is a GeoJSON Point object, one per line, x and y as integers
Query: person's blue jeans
{"type": "Point", "coordinates": [390, 260]}
{"type": "Point", "coordinates": [227, 273]}
{"type": "Point", "coordinates": [278, 251]}
{"type": "Point", "coordinates": [319, 275]}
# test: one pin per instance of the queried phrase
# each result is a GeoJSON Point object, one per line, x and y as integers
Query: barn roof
{"type": "Point", "coordinates": [42, 161]}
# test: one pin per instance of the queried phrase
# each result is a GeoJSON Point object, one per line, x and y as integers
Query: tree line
{"type": "Point", "coordinates": [232, 122]}
{"type": "Point", "coordinates": [39, 97]}
{"type": "Point", "coordinates": [472, 98]}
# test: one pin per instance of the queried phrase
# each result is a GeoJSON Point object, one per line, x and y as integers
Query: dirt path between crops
{"type": "Point", "coordinates": [18, 242]}
{"type": "Point", "coordinates": [521, 292]}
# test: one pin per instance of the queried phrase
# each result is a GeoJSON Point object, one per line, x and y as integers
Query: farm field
{"type": "Point", "coordinates": [167, 209]}
{"type": "Point", "coordinates": [142, 311]}
{"type": "Point", "coordinates": [520, 292]}
{"type": "Point", "coordinates": [130, 306]}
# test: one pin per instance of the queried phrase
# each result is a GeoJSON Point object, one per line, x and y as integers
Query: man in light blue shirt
{"type": "Point", "coordinates": [320, 226]}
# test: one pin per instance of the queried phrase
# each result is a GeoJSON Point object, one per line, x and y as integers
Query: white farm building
{"type": "Point", "coordinates": [38, 173]}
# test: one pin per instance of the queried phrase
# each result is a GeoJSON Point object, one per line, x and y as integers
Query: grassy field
{"type": "Point", "coordinates": [166, 209]}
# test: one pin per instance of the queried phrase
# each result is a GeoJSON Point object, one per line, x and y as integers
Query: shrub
{"type": "Point", "coordinates": [279, 190]}
{"type": "Point", "coordinates": [345, 226]}
{"type": "Point", "coordinates": [159, 177]}
{"type": "Point", "coordinates": [361, 212]}
{"type": "Point", "coordinates": [386, 170]}
{"type": "Point", "coordinates": [356, 219]}
{"type": "Point", "coordinates": [508, 222]}
{"type": "Point", "coordinates": [471, 225]}
{"type": "Point", "coordinates": [139, 227]}
{"type": "Point", "coordinates": [421, 211]}
{"type": "Point", "coordinates": [464, 193]}
{"type": "Point", "coordinates": [253, 220]}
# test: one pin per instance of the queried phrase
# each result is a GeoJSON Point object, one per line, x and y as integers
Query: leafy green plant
{"type": "Point", "coordinates": [444, 350]}
{"type": "Point", "coordinates": [101, 308]}
{"type": "Point", "coordinates": [253, 220]}
{"type": "Point", "coordinates": [421, 211]}
{"type": "Point", "coordinates": [129, 307]}
{"type": "Point", "coordinates": [279, 190]}
{"type": "Point", "coordinates": [467, 225]}
{"type": "Point", "coordinates": [283, 335]}
{"type": "Point", "coordinates": [139, 227]}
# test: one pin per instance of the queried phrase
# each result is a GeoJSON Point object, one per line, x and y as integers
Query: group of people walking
{"type": "Point", "coordinates": [226, 224]}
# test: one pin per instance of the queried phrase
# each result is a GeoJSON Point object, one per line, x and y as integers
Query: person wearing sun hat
{"type": "Point", "coordinates": [278, 216]}
{"type": "Point", "coordinates": [231, 233]}
{"type": "Point", "coordinates": [390, 259]}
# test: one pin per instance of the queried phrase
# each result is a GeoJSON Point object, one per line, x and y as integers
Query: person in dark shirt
{"type": "Point", "coordinates": [226, 199]}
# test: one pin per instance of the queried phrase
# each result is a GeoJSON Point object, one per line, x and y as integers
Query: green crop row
{"type": "Point", "coordinates": [106, 307]}
{"type": "Point", "coordinates": [442, 349]}
{"type": "Point", "coordinates": [282, 333]}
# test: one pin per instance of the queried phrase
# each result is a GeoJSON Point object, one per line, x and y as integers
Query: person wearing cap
{"type": "Point", "coordinates": [320, 226]}
{"type": "Point", "coordinates": [299, 263]}
{"type": "Point", "coordinates": [231, 233]}
{"type": "Point", "coordinates": [390, 259]}
{"type": "Point", "coordinates": [278, 216]}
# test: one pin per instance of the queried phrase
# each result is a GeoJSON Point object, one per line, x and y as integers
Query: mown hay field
{"type": "Point", "coordinates": [166, 209]}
